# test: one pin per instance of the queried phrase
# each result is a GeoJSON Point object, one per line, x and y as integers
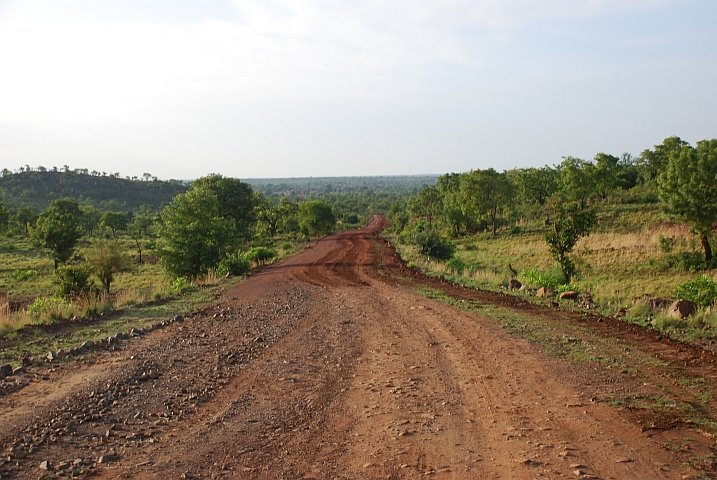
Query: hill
{"type": "Point", "coordinates": [37, 188]}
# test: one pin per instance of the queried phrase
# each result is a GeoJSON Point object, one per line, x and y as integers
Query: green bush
{"type": "Point", "coordinates": [73, 281]}
{"type": "Point", "coordinates": [43, 305]}
{"type": "Point", "coordinates": [535, 278]}
{"type": "Point", "coordinates": [456, 265]}
{"type": "Point", "coordinates": [236, 264]}
{"type": "Point", "coordinates": [181, 285]}
{"type": "Point", "coordinates": [286, 246]}
{"type": "Point", "coordinates": [702, 290]}
{"type": "Point", "coordinates": [431, 244]}
{"type": "Point", "coordinates": [22, 275]}
{"type": "Point", "coordinates": [260, 254]}
{"type": "Point", "coordinates": [688, 261]}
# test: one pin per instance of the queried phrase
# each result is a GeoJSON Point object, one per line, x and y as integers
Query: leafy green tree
{"type": "Point", "coordinates": [114, 221]}
{"type": "Point", "coordinates": [486, 192]}
{"type": "Point", "coordinates": [398, 215]}
{"type": "Point", "coordinates": [426, 205]}
{"type": "Point", "coordinates": [577, 180]}
{"type": "Point", "coordinates": [235, 200]}
{"type": "Point", "coordinates": [535, 185]}
{"type": "Point", "coordinates": [316, 217]}
{"type": "Point", "coordinates": [194, 236]}
{"type": "Point", "coordinates": [57, 230]}
{"type": "Point", "coordinates": [25, 217]}
{"type": "Point", "coordinates": [688, 189]}
{"type": "Point", "coordinates": [90, 218]}
{"type": "Point", "coordinates": [570, 222]}
{"type": "Point", "coordinates": [606, 174]}
{"type": "Point", "coordinates": [4, 217]}
{"type": "Point", "coordinates": [652, 162]}
{"type": "Point", "coordinates": [271, 215]}
{"type": "Point", "coordinates": [107, 258]}
{"type": "Point", "coordinates": [139, 229]}
{"type": "Point", "coordinates": [73, 281]}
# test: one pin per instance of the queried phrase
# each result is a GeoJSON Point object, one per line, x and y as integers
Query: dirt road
{"type": "Point", "coordinates": [323, 367]}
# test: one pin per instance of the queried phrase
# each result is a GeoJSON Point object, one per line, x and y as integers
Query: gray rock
{"type": "Point", "coordinates": [108, 457]}
{"type": "Point", "coordinates": [51, 356]}
{"type": "Point", "coordinates": [88, 344]}
{"type": "Point", "coordinates": [178, 318]}
{"type": "Point", "coordinates": [45, 465]}
{"type": "Point", "coordinates": [27, 361]}
{"type": "Point", "coordinates": [135, 333]}
{"type": "Point", "coordinates": [153, 374]}
{"type": "Point", "coordinates": [514, 284]}
{"type": "Point", "coordinates": [18, 370]}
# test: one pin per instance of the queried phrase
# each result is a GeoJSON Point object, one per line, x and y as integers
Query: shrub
{"type": "Point", "coordinates": [688, 261]}
{"type": "Point", "coordinates": [286, 246]}
{"type": "Point", "coordinates": [181, 285]}
{"type": "Point", "coordinates": [456, 265]}
{"type": "Point", "coordinates": [431, 244]}
{"type": "Point", "coordinates": [260, 254]}
{"type": "Point", "coordinates": [667, 244]}
{"type": "Point", "coordinates": [702, 290]}
{"type": "Point", "coordinates": [73, 281]}
{"type": "Point", "coordinates": [52, 307]}
{"type": "Point", "coordinates": [23, 275]}
{"type": "Point", "coordinates": [535, 278]}
{"type": "Point", "coordinates": [236, 264]}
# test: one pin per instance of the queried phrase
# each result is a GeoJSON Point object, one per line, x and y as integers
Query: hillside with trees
{"type": "Point", "coordinates": [35, 188]}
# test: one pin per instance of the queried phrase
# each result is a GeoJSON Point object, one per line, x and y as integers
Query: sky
{"type": "Point", "coordinates": [298, 88]}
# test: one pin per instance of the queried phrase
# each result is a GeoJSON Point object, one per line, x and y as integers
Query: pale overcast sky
{"type": "Point", "coordinates": [286, 88]}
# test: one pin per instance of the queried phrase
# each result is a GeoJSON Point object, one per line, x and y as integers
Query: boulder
{"type": "Point", "coordinates": [5, 371]}
{"type": "Point", "coordinates": [51, 356]}
{"type": "Point", "coordinates": [514, 284]}
{"type": "Point", "coordinates": [569, 295]}
{"type": "Point", "coordinates": [682, 309]}
{"type": "Point", "coordinates": [545, 292]}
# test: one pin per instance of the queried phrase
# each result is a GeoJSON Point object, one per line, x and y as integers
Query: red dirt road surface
{"type": "Point", "coordinates": [324, 366]}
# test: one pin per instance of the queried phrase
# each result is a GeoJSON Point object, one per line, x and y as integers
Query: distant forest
{"type": "Point", "coordinates": [36, 188]}
{"type": "Point", "coordinates": [305, 187]}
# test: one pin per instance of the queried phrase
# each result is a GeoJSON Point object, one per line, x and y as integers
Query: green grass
{"type": "Point", "coordinates": [27, 274]}
{"type": "Point", "coordinates": [620, 263]}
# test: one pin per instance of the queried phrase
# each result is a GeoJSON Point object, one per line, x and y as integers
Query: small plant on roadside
{"type": "Point", "coordinates": [430, 244]}
{"type": "Point", "coordinates": [260, 255]}
{"type": "Point", "coordinates": [570, 222]}
{"type": "Point", "coordinates": [456, 265]}
{"type": "Point", "coordinates": [181, 285]}
{"type": "Point", "coordinates": [536, 278]}
{"type": "Point", "coordinates": [73, 281]}
{"type": "Point", "coordinates": [235, 264]}
{"type": "Point", "coordinates": [702, 290]}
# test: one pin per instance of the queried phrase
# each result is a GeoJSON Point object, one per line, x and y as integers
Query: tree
{"type": "Point", "coordinates": [426, 205]}
{"type": "Point", "coordinates": [194, 235]}
{"type": "Point", "coordinates": [25, 217]}
{"type": "Point", "coordinates": [607, 174]}
{"type": "Point", "coordinates": [570, 222]}
{"type": "Point", "coordinates": [90, 218]}
{"type": "Point", "coordinates": [114, 221]}
{"type": "Point", "coordinates": [139, 229]}
{"type": "Point", "coordinates": [652, 162]}
{"type": "Point", "coordinates": [57, 229]}
{"type": "Point", "coordinates": [316, 217]}
{"type": "Point", "coordinates": [486, 192]}
{"type": "Point", "coordinates": [688, 189]}
{"type": "Point", "coordinates": [271, 215]}
{"type": "Point", "coordinates": [107, 258]}
{"type": "Point", "coordinates": [577, 180]}
{"type": "Point", "coordinates": [235, 200]}
{"type": "Point", "coordinates": [4, 217]}
{"type": "Point", "coordinates": [536, 185]}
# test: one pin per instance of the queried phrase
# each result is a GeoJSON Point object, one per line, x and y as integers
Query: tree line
{"type": "Point", "coordinates": [680, 177]}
